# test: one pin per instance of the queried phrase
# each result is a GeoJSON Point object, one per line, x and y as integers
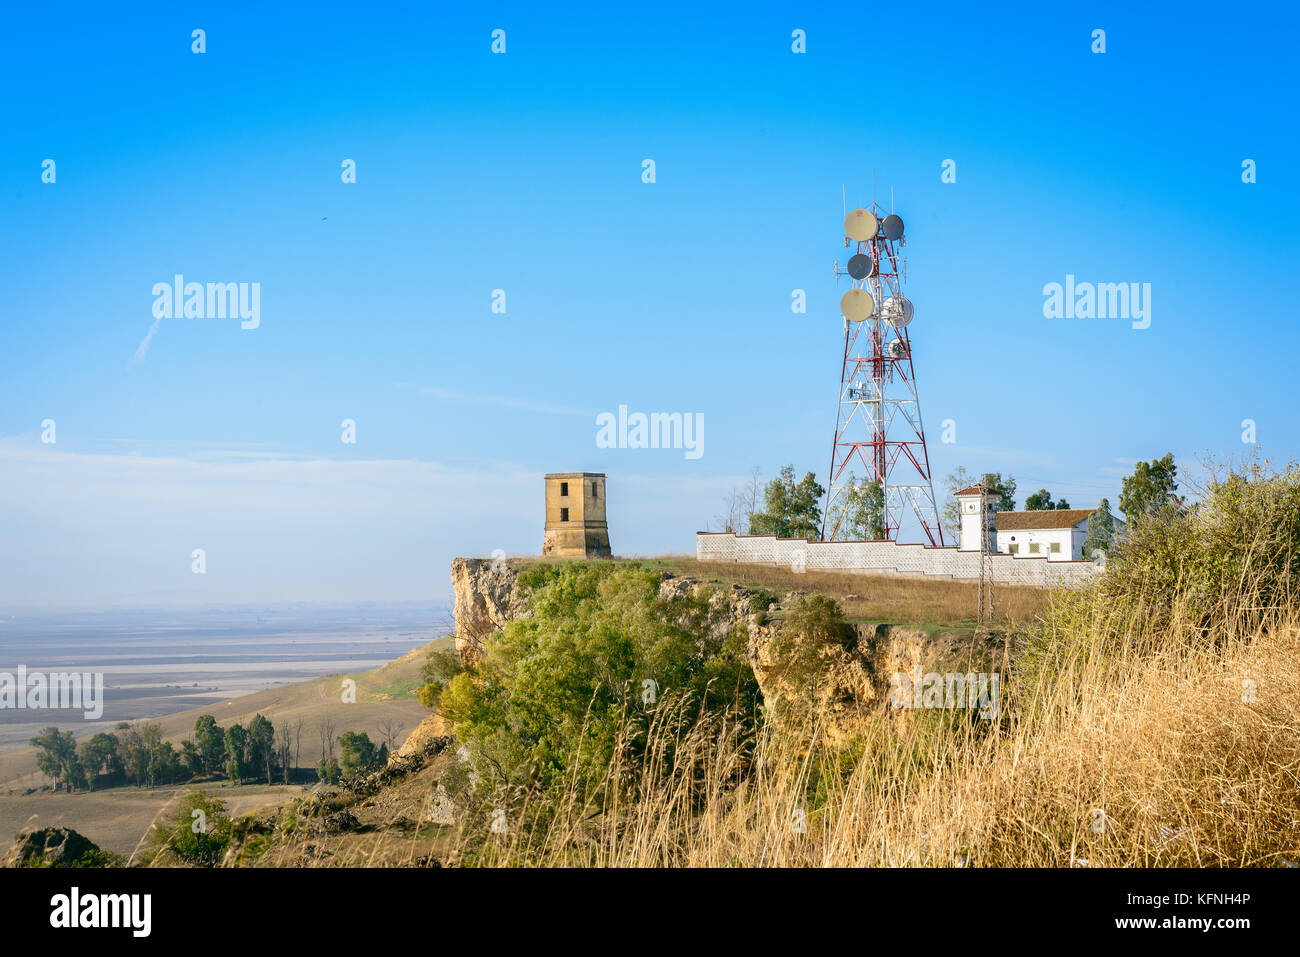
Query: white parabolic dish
{"type": "Point", "coordinates": [899, 312]}
{"type": "Point", "coordinates": [857, 305]}
{"type": "Point", "coordinates": [860, 225]}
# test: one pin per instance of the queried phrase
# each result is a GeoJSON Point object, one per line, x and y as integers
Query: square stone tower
{"type": "Point", "coordinates": [575, 516]}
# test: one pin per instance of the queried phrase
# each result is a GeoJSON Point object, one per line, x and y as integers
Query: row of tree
{"type": "Point", "coordinates": [138, 754]}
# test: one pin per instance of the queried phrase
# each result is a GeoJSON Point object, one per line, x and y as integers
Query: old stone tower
{"type": "Point", "coordinates": [575, 516]}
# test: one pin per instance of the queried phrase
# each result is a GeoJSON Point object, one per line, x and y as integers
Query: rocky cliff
{"type": "Point", "coordinates": [856, 671]}
{"type": "Point", "coordinates": [487, 597]}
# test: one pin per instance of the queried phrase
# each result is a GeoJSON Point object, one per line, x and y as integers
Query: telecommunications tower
{"type": "Point", "coordinates": [879, 424]}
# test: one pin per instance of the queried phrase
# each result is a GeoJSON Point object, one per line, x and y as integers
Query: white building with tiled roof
{"type": "Point", "coordinates": [1054, 534]}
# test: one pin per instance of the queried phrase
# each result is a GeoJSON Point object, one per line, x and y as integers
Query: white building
{"type": "Point", "coordinates": [1054, 534]}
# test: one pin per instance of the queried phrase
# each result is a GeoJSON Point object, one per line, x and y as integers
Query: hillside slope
{"type": "Point", "coordinates": [116, 818]}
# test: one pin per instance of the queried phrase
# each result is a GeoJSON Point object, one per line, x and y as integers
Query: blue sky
{"type": "Point", "coordinates": [522, 172]}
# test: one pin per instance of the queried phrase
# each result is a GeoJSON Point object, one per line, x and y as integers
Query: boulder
{"type": "Point", "coordinates": [48, 847]}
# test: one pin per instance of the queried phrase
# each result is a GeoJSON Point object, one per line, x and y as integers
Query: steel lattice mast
{"type": "Point", "coordinates": [879, 422]}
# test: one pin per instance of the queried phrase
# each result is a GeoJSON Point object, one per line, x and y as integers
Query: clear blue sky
{"type": "Point", "coordinates": [522, 172]}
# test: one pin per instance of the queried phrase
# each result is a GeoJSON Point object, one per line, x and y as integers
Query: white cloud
{"type": "Point", "coordinates": [501, 401]}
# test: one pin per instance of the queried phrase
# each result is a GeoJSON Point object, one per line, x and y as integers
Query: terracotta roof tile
{"type": "Point", "coordinates": [1041, 519]}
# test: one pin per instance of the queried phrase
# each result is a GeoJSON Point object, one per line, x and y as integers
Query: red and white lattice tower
{"type": "Point", "coordinates": [879, 426]}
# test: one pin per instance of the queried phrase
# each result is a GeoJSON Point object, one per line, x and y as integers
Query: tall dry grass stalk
{"type": "Point", "coordinates": [1164, 761]}
{"type": "Point", "coordinates": [1144, 740]}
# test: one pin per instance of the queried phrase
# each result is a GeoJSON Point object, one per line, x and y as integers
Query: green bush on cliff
{"type": "Point", "coordinates": [562, 693]}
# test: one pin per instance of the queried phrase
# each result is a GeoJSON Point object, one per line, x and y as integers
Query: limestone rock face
{"type": "Point", "coordinates": [851, 681]}
{"type": "Point", "coordinates": [487, 596]}
{"type": "Point", "coordinates": [47, 847]}
{"type": "Point", "coordinates": [855, 671]}
{"type": "Point", "coordinates": [426, 733]}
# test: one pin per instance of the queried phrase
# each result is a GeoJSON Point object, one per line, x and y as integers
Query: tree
{"type": "Point", "coordinates": [790, 510]}
{"type": "Point", "coordinates": [563, 691]}
{"type": "Point", "coordinates": [1004, 489]}
{"type": "Point", "coordinates": [74, 775]}
{"type": "Point", "coordinates": [191, 758]}
{"type": "Point", "coordinates": [284, 747]}
{"type": "Point", "coordinates": [357, 753]}
{"type": "Point", "coordinates": [134, 760]}
{"type": "Point", "coordinates": [99, 754]}
{"type": "Point", "coordinates": [749, 504]}
{"type": "Point", "coordinates": [957, 480]}
{"type": "Point", "coordinates": [390, 729]}
{"type": "Point", "coordinates": [1150, 488]}
{"type": "Point", "coordinates": [140, 747]}
{"type": "Point", "coordinates": [55, 752]}
{"type": "Point", "coordinates": [325, 730]}
{"type": "Point", "coordinates": [1042, 501]}
{"type": "Point", "coordinates": [729, 518]}
{"type": "Point", "coordinates": [210, 740]}
{"type": "Point", "coordinates": [861, 512]}
{"type": "Point", "coordinates": [164, 763]}
{"type": "Point", "coordinates": [440, 666]}
{"type": "Point", "coordinates": [261, 746]}
{"type": "Point", "coordinates": [329, 770]}
{"type": "Point", "coordinates": [236, 753]}
{"type": "Point", "coordinates": [197, 831]}
{"type": "Point", "coordinates": [1101, 529]}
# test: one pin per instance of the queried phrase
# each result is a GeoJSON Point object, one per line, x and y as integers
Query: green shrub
{"type": "Point", "coordinates": [197, 831]}
{"type": "Point", "coordinates": [1228, 564]}
{"type": "Point", "coordinates": [560, 692]}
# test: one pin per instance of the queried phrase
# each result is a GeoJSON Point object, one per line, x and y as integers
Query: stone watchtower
{"type": "Point", "coordinates": [575, 516]}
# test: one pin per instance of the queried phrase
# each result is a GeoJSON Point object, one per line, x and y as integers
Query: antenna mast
{"type": "Point", "coordinates": [879, 422]}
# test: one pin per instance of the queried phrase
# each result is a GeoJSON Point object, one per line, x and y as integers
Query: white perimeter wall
{"type": "Point", "coordinates": [886, 558]}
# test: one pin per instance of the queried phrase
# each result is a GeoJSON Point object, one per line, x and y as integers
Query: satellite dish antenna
{"type": "Point", "coordinates": [862, 266]}
{"type": "Point", "coordinates": [857, 305]}
{"type": "Point", "coordinates": [897, 350]}
{"type": "Point", "coordinates": [861, 224]}
{"type": "Point", "coordinates": [893, 226]}
{"type": "Point", "coordinates": [899, 311]}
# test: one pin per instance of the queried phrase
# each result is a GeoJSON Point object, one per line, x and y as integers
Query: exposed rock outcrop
{"type": "Point", "coordinates": [48, 847]}
{"type": "Point", "coordinates": [854, 672]}
{"type": "Point", "coordinates": [431, 734]}
{"type": "Point", "coordinates": [487, 596]}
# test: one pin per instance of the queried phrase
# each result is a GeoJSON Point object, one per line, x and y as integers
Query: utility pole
{"type": "Point", "coordinates": [987, 605]}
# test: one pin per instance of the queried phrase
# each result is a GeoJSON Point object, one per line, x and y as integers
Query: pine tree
{"type": "Point", "coordinates": [1101, 529]}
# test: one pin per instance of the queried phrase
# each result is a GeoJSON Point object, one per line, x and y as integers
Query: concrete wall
{"type": "Point", "coordinates": [889, 558]}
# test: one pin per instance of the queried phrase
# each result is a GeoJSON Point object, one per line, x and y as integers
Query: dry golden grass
{"type": "Point", "coordinates": [1133, 746]}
